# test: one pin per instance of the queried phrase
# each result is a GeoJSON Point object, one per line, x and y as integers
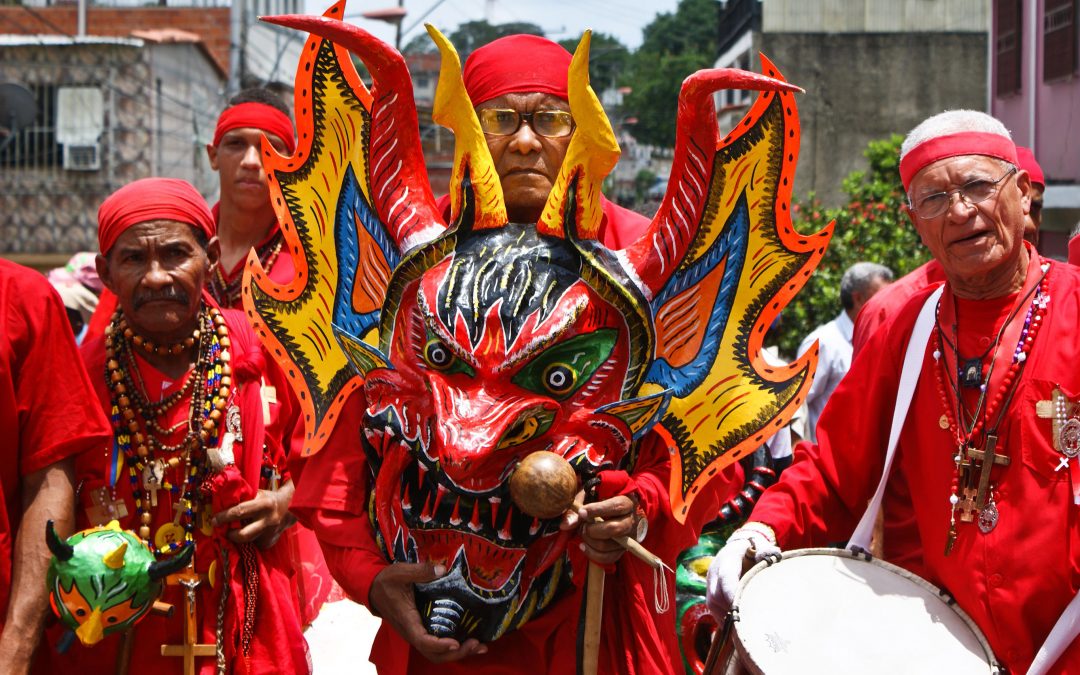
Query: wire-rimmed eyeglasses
{"type": "Point", "coordinates": [971, 193]}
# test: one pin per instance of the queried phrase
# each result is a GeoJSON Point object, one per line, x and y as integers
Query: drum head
{"type": "Point", "coordinates": [825, 611]}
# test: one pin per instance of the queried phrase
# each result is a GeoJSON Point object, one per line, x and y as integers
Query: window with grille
{"type": "Point", "coordinates": [1007, 44]}
{"type": "Point", "coordinates": [34, 146]}
{"type": "Point", "coordinates": [1059, 39]}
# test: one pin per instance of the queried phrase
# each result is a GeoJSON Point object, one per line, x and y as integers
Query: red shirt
{"type": "Point", "coordinates": [331, 499]}
{"type": "Point", "coordinates": [47, 408]}
{"type": "Point", "coordinates": [313, 581]}
{"type": "Point", "coordinates": [278, 644]}
{"type": "Point", "coordinates": [1014, 581]}
{"type": "Point", "coordinates": [884, 304]}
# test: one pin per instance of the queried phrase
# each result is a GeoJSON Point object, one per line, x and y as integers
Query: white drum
{"type": "Point", "coordinates": [828, 611]}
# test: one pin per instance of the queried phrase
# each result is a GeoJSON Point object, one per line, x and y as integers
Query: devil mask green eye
{"type": "Point", "coordinates": [562, 369]}
{"type": "Point", "coordinates": [438, 356]}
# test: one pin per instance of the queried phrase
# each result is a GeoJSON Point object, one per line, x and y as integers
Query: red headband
{"type": "Point", "coordinates": [517, 64]}
{"type": "Point", "coordinates": [1027, 162]}
{"type": "Point", "coordinates": [152, 199]}
{"type": "Point", "coordinates": [265, 118]}
{"type": "Point", "coordinates": [953, 145]}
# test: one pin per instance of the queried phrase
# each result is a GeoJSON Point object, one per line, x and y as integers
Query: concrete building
{"type": "Point", "coordinates": [106, 111]}
{"type": "Point", "coordinates": [121, 90]}
{"type": "Point", "coordinates": [1034, 90]}
{"type": "Point", "coordinates": [871, 68]}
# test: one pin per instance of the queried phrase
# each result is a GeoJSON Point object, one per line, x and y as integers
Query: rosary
{"type": "Point", "coordinates": [971, 492]}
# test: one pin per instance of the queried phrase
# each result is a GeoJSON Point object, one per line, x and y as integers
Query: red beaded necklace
{"type": "Point", "coordinates": [994, 410]}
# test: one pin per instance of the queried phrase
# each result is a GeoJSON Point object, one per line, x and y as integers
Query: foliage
{"type": "Point", "coordinates": [674, 46]}
{"type": "Point", "coordinates": [608, 59]}
{"type": "Point", "coordinates": [871, 227]}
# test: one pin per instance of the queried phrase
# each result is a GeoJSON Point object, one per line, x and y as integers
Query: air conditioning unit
{"type": "Point", "coordinates": [82, 157]}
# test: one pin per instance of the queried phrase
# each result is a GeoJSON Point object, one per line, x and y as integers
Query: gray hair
{"type": "Point", "coordinates": [858, 278]}
{"type": "Point", "coordinates": [952, 122]}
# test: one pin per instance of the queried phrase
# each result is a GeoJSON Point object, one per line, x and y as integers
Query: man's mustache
{"type": "Point", "coordinates": [167, 295]}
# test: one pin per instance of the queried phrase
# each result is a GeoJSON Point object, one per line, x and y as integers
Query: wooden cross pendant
{"type": "Point", "coordinates": [987, 459]}
{"type": "Point", "coordinates": [190, 649]}
{"type": "Point", "coordinates": [105, 508]}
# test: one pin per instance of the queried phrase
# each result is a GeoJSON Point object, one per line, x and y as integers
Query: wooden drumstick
{"type": "Point", "coordinates": [544, 485]}
{"type": "Point", "coordinates": [594, 612]}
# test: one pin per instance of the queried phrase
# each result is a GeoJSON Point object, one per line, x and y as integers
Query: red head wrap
{"type": "Point", "coordinates": [517, 64]}
{"type": "Point", "coordinates": [265, 118]}
{"type": "Point", "coordinates": [1026, 158]}
{"type": "Point", "coordinates": [152, 199]}
{"type": "Point", "coordinates": [954, 145]}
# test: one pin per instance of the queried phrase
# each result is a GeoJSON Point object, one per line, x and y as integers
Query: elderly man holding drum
{"type": "Point", "coordinates": [965, 410]}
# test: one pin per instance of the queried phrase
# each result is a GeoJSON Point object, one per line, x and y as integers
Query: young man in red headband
{"type": "Point", "coordinates": [191, 462]}
{"type": "Point", "coordinates": [518, 85]}
{"type": "Point", "coordinates": [244, 215]}
{"type": "Point", "coordinates": [47, 416]}
{"type": "Point", "coordinates": [245, 221]}
{"type": "Point", "coordinates": [985, 460]}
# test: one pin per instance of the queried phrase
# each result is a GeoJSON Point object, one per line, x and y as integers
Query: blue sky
{"type": "Point", "coordinates": [560, 19]}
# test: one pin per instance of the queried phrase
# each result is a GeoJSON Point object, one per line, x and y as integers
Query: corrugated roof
{"type": "Point", "coordinates": [7, 40]}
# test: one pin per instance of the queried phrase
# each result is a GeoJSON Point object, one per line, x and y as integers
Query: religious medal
{"type": "Point", "coordinates": [988, 517]}
{"type": "Point", "coordinates": [222, 456]}
{"type": "Point", "coordinates": [232, 422]}
{"type": "Point", "coordinates": [971, 373]}
{"type": "Point", "coordinates": [1069, 437]}
{"type": "Point", "coordinates": [169, 533]}
{"type": "Point", "coordinates": [153, 475]}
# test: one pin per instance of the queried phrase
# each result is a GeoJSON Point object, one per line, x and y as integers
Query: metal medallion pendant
{"type": "Point", "coordinates": [971, 373]}
{"type": "Point", "coordinates": [1069, 437]}
{"type": "Point", "coordinates": [988, 518]}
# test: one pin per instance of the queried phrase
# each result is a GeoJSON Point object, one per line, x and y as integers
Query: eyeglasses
{"type": "Point", "coordinates": [970, 193]}
{"type": "Point", "coordinates": [506, 122]}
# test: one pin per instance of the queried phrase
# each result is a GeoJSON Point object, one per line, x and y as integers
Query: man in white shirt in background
{"type": "Point", "coordinates": [859, 283]}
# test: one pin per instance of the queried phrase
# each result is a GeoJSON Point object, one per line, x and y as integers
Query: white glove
{"type": "Point", "coordinates": [727, 567]}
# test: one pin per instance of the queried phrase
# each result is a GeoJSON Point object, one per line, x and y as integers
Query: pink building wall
{"type": "Point", "coordinates": [1057, 105]}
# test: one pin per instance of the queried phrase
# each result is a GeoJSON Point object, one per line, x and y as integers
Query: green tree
{"type": "Point", "coordinates": [674, 46]}
{"type": "Point", "coordinates": [470, 35]}
{"type": "Point", "coordinates": [608, 59]}
{"type": "Point", "coordinates": [870, 227]}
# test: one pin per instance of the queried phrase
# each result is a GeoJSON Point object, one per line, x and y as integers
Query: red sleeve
{"type": "Point", "coordinates": [652, 473]}
{"type": "Point", "coordinates": [331, 499]}
{"type": "Point", "coordinates": [59, 414]}
{"type": "Point", "coordinates": [350, 549]}
{"type": "Point", "coordinates": [821, 496]}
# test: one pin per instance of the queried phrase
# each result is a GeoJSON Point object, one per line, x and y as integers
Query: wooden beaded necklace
{"type": "Point", "coordinates": [135, 418]}
{"type": "Point", "coordinates": [966, 433]}
{"type": "Point", "coordinates": [228, 293]}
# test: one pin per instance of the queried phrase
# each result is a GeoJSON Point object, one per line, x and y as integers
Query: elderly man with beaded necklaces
{"type": "Point", "coordinates": [981, 464]}
{"type": "Point", "coordinates": [191, 463]}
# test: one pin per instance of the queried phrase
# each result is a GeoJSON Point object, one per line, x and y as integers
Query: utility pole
{"type": "Point", "coordinates": [397, 33]}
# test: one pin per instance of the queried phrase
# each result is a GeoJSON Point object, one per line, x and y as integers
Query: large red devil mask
{"type": "Point", "coordinates": [481, 342]}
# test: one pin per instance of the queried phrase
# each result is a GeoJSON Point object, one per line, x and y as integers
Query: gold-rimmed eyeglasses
{"type": "Point", "coordinates": [506, 122]}
{"type": "Point", "coordinates": [971, 193]}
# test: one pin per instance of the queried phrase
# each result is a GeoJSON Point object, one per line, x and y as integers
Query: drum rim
{"type": "Point", "coordinates": [993, 665]}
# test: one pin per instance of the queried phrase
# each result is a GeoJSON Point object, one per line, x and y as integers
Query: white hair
{"type": "Point", "coordinates": [952, 122]}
